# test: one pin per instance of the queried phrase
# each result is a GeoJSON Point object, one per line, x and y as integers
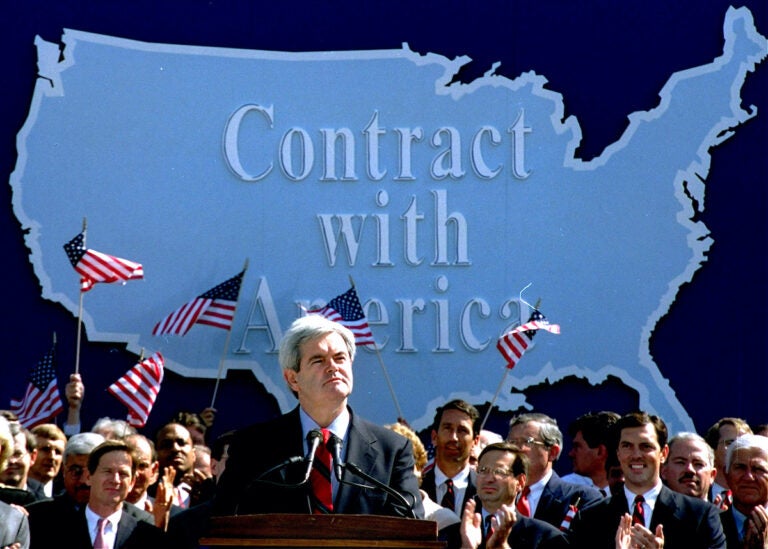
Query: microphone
{"type": "Point", "coordinates": [314, 439]}
{"type": "Point", "coordinates": [334, 447]}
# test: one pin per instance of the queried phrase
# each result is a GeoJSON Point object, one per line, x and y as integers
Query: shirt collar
{"type": "Point", "coordinates": [459, 480]}
{"type": "Point", "coordinates": [650, 496]}
{"type": "Point", "coordinates": [338, 426]}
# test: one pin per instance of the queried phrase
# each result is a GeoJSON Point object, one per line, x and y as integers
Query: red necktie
{"type": "Point", "coordinates": [523, 506]}
{"type": "Point", "coordinates": [449, 499]}
{"type": "Point", "coordinates": [638, 513]}
{"type": "Point", "coordinates": [320, 478]}
{"type": "Point", "coordinates": [99, 542]}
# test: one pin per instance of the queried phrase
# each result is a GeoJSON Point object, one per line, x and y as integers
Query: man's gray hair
{"type": "Point", "coordinates": [694, 437]}
{"type": "Point", "coordinates": [81, 444]}
{"type": "Point", "coordinates": [748, 441]}
{"type": "Point", "coordinates": [548, 429]}
{"type": "Point", "coordinates": [305, 329]}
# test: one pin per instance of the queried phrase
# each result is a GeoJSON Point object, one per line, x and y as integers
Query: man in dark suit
{"type": "Point", "coordinates": [546, 497]}
{"type": "Point", "coordinates": [110, 474]}
{"type": "Point", "coordinates": [501, 476]}
{"type": "Point", "coordinates": [644, 512]}
{"type": "Point", "coordinates": [745, 522]}
{"type": "Point", "coordinates": [451, 481]}
{"type": "Point", "coordinates": [316, 357]}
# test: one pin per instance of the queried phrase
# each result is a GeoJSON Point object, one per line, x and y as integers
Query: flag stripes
{"type": "Point", "coordinates": [93, 266]}
{"type": "Point", "coordinates": [41, 400]}
{"type": "Point", "coordinates": [139, 387]}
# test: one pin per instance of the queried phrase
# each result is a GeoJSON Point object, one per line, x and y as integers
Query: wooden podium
{"type": "Point", "coordinates": [286, 530]}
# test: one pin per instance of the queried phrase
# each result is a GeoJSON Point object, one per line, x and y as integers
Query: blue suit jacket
{"type": "Point", "coordinates": [559, 495]}
{"type": "Point", "coordinates": [688, 522]}
{"type": "Point", "coordinates": [379, 452]}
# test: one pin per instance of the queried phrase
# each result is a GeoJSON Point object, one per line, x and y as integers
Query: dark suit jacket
{"type": "Point", "coordinates": [688, 522]}
{"type": "Point", "coordinates": [36, 487]}
{"type": "Point", "coordinates": [527, 533]}
{"type": "Point", "coordinates": [729, 529]}
{"type": "Point", "coordinates": [428, 485]}
{"type": "Point", "coordinates": [559, 495]}
{"type": "Point", "coordinates": [52, 519]}
{"type": "Point", "coordinates": [379, 452]}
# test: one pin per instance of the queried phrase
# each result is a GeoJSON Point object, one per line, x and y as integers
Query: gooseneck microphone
{"type": "Point", "coordinates": [314, 439]}
{"type": "Point", "coordinates": [334, 447]}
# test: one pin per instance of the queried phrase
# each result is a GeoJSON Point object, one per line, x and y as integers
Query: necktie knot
{"type": "Point", "coordinates": [523, 505]}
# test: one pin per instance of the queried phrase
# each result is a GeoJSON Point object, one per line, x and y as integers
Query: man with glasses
{"type": "Point", "coordinates": [546, 496]}
{"type": "Point", "coordinates": [501, 475]}
{"type": "Point", "coordinates": [719, 437]}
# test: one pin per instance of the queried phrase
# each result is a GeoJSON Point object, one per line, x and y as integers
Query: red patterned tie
{"type": "Point", "coordinates": [320, 478]}
{"type": "Point", "coordinates": [638, 513]}
{"type": "Point", "coordinates": [523, 506]}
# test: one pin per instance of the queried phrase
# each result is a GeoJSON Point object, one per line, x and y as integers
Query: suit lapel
{"type": "Point", "coordinates": [360, 452]}
{"type": "Point", "coordinates": [125, 528]}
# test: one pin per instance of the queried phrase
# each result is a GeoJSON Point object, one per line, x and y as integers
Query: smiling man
{"type": "Point", "coordinates": [451, 481]}
{"type": "Point", "coordinates": [264, 471]}
{"type": "Point", "coordinates": [645, 513]}
{"type": "Point", "coordinates": [689, 468]}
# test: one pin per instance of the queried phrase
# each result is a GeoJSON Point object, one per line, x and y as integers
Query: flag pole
{"type": "Point", "coordinates": [80, 311]}
{"type": "Point", "coordinates": [493, 400]}
{"type": "Point", "coordinates": [226, 342]}
{"type": "Point", "coordinates": [506, 369]}
{"type": "Point", "coordinates": [384, 369]}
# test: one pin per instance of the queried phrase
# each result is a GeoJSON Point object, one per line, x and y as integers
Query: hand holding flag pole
{"type": "Point", "coordinates": [513, 344]}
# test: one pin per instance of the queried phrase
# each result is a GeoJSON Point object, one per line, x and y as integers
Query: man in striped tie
{"type": "Point", "coordinates": [645, 513]}
{"type": "Point", "coordinates": [265, 472]}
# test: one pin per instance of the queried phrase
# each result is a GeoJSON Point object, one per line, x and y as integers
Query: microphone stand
{"type": "Point", "coordinates": [380, 485]}
{"type": "Point", "coordinates": [334, 447]}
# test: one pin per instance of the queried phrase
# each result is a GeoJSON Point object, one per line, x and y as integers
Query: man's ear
{"type": "Point", "coordinates": [554, 452]}
{"type": "Point", "coordinates": [522, 481]}
{"type": "Point", "coordinates": [290, 378]}
{"type": "Point", "coordinates": [434, 437]}
{"type": "Point", "coordinates": [664, 453]}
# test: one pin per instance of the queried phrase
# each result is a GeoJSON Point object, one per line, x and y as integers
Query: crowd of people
{"type": "Point", "coordinates": [632, 485]}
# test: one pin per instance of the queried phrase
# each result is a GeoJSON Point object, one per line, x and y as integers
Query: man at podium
{"type": "Point", "coordinates": [320, 457]}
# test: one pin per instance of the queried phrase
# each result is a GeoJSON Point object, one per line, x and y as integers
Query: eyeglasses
{"type": "Point", "coordinates": [526, 442]}
{"type": "Point", "coordinates": [498, 472]}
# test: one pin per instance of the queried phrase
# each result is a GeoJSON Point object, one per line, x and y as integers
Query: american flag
{"type": "Point", "coordinates": [347, 311]}
{"type": "Point", "coordinates": [216, 308]}
{"type": "Point", "coordinates": [93, 266]}
{"type": "Point", "coordinates": [138, 388]}
{"type": "Point", "coordinates": [42, 400]}
{"type": "Point", "coordinates": [514, 343]}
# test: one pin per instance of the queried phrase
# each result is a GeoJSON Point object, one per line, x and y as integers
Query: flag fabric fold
{"type": "Point", "coordinates": [93, 266]}
{"type": "Point", "coordinates": [42, 400]}
{"type": "Point", "coordinates": [138, 388]}
{"type": "Point", "coordinates": [216, 308]}
{"type": "Point", "coordinates": [516, 342]}
{"type": "Point", "coordinates": [347, 311]}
